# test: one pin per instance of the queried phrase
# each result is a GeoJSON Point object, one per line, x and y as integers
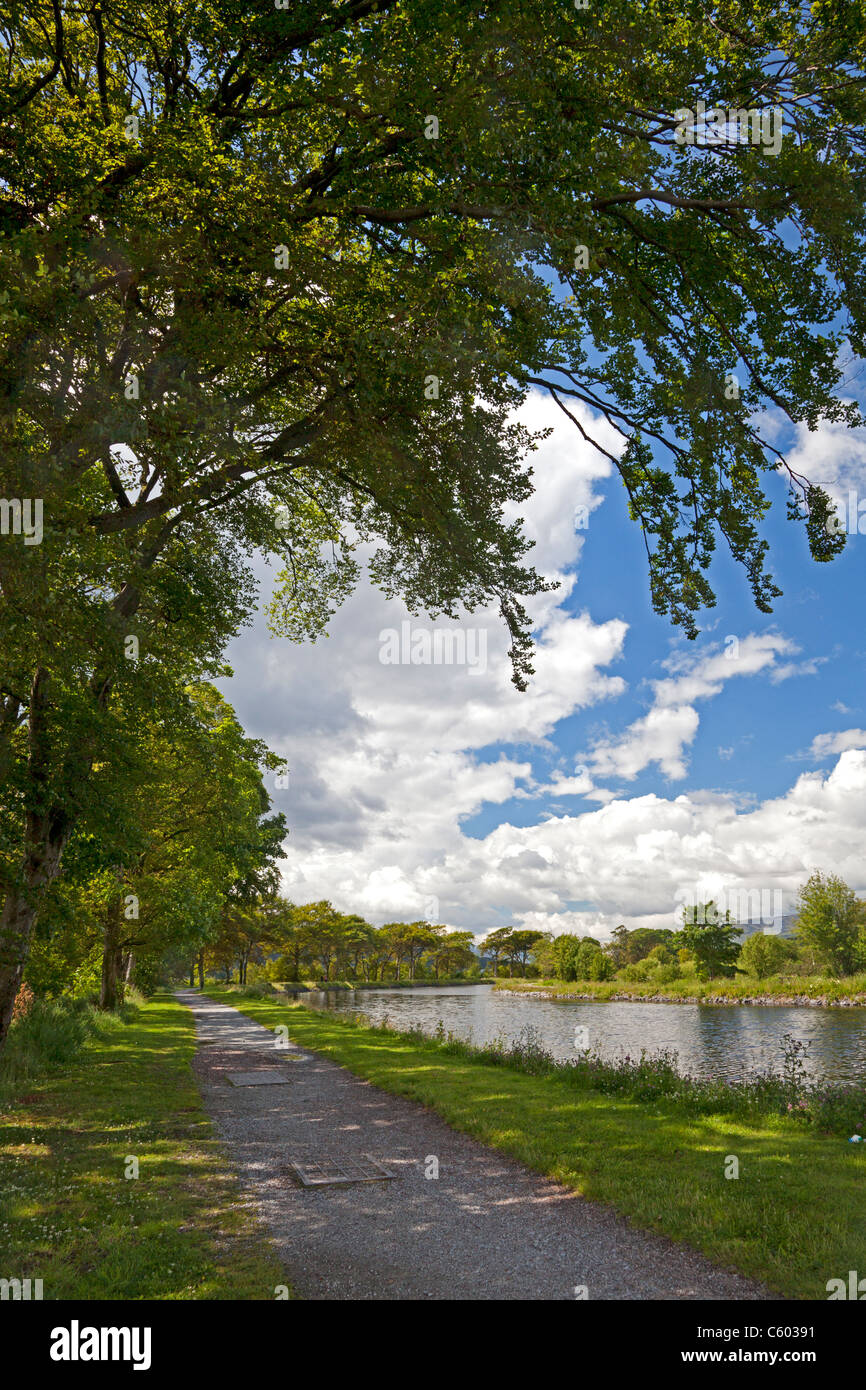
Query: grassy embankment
{"type": "Point", "coordinates": [689, 987]}
{"type": "Point", "coordinates": [302, 986]}
{"type": "Point", "coordinates": [795, 1217]}
{"type": "Point", "coordinates": [69, 1216]}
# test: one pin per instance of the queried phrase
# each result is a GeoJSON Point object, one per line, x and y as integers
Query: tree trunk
{"type": "Point", "coordinates": [16, 929]}
{"type": "Point", "coordinates": [18, 920]}
{"type": "Point", "coordinates": [127, 974]}
{"type": "Point", "coordinates": [47, 828]}
{"type": "Point", "coordinates": [192, 976]}
{"type": "Point", "coordinates": [111, 988]}
{"type": "Point", "coordinates": [200, 970]}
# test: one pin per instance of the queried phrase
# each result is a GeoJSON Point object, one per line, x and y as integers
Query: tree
{"type": "Point", "coordinates": [520, 944]}
{"type": "Point", "coordinates": [409, 941]}
{"type": "Point", "coordinates": [762, 954]}
{"type": "Point", "coordinates": [452, 951]}
{"type": "Point", "coordinates": [324, 933]}
{"type": "Point", "coordinates": [585, 959]}
{"type": "Point", "coordinates": [643, 940]}
{"type": "Point", "coordinates": [710, 940]}
{"type": "Point", "coordinates": [178, 828]}
{"type": "Point", "coordinates": [601, 967]}
{"type": "Point", "coordinates": [277, 279]}
{"type": "Point", "coordinates": [564, 950]}
{"type": "Point", "coordinates": [829, 919]}
{"type": "Point", "coordinates": [617, 948]}
{"type": "Point", "coordinates": [358, 939]}
{"type": "Point", "coordinates": [496, 945]}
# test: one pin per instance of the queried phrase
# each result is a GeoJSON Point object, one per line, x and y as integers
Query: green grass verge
{"type": "Point", "coordinates": [795, 1217]}
{"type": "Point", "coordinates": [777, 987]}
{"type": "Point", "coordinates": [69, 1216]}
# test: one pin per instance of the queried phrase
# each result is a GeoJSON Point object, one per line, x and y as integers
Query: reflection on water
{"type": "Point", "coordinates": [711, 1040]}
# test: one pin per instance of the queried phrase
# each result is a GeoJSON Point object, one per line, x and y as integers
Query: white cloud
{"type": "Point", "coordinates": [823, 745]}
{"type": "Point", "coordinates": [663, 735]}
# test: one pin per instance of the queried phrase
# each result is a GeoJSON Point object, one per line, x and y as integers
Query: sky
{"type": "Point", "coordinates": [639, 772]}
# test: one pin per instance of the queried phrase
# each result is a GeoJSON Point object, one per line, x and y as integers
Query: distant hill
{"type": "Point", "coordinates": [788, 921]}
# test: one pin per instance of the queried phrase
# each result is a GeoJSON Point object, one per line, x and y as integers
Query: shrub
{"type": "Point", "coordinates": [601, 967]}
{"type": "Point", "coordinates": [262, 989]}
{"type": "Point", "coordinates": [24, 1001]}
{"type": "Point", "coordinates": [53, 1033]}
{"type": "Point", "coordinates": [762, 954]}
{"type": "Point", "coordinates": [667, 972]}
{"type": "Point", "coordinates": [637, 973]}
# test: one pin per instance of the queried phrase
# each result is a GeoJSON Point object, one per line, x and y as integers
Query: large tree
{"type": "Point", "coordinates": [830, 920]}
{"type": "Point", "coordinates": [278, 277]}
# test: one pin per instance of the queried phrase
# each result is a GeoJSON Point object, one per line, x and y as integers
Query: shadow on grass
{"type": "Point", "coordinates": [72, 1210]}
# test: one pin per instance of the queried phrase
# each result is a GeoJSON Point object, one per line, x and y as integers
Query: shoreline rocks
{"type": "Point", "coordinates": [780, 1001]}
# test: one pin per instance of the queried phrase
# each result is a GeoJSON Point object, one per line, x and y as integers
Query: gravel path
{"type": "Point", "coordinates": [487, 1228]}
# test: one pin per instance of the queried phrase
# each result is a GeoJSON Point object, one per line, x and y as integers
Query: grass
{"type": "Point", "coordinates": [68, 1214]}
{"type": "Point", "coordinates": [823, 987]}
{"type": "Point", "coordinates": [302, 986]}
{"type": "Point", "coordinates": [794, 1218]}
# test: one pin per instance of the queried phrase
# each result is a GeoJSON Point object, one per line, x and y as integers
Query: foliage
{"type": "Point", "coordinates": [51, 1034]}
{"type": "Point", "coordinates": [710, 940]}
{"type": "Point", "coordinates": [762, 954]}
{"type": "Point", "coordinates": [829, 921]}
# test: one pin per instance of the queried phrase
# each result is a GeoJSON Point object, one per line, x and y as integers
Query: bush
{"type": "Point", "coordinates": [637, 973]}
{"type": "Point", "coordinates": [51, 1034]}
{"type": "Point", "coordinates": [24, 1001]}
{"type": "Point", "coordinates": [667, 972]}
{"type": "Point", "coordinates": [601, 967]}
{"type": "Point", "coordinates": [762, 954]}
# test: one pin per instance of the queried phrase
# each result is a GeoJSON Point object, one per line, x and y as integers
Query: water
{"type": "Point", "coordinates": [710, 1040]}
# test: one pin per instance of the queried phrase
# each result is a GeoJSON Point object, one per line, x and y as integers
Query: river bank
{"type": "Point", "coordinates": [322, 986]}
{"type": "Point", "coordinates": [616, 994]}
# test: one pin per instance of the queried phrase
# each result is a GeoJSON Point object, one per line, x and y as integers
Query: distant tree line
{"type": "Point", "coordinates": [291, 942]}
{"type": "Point", "coordinates": [829, 937]}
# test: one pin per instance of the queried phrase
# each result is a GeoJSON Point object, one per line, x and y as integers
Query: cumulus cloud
{"type": "Point", "coordinates": [823, 745]}
{"type": "Point", "coordinates": [637, 858]}
{"type": "Point", "coordinates": [662, 736]}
